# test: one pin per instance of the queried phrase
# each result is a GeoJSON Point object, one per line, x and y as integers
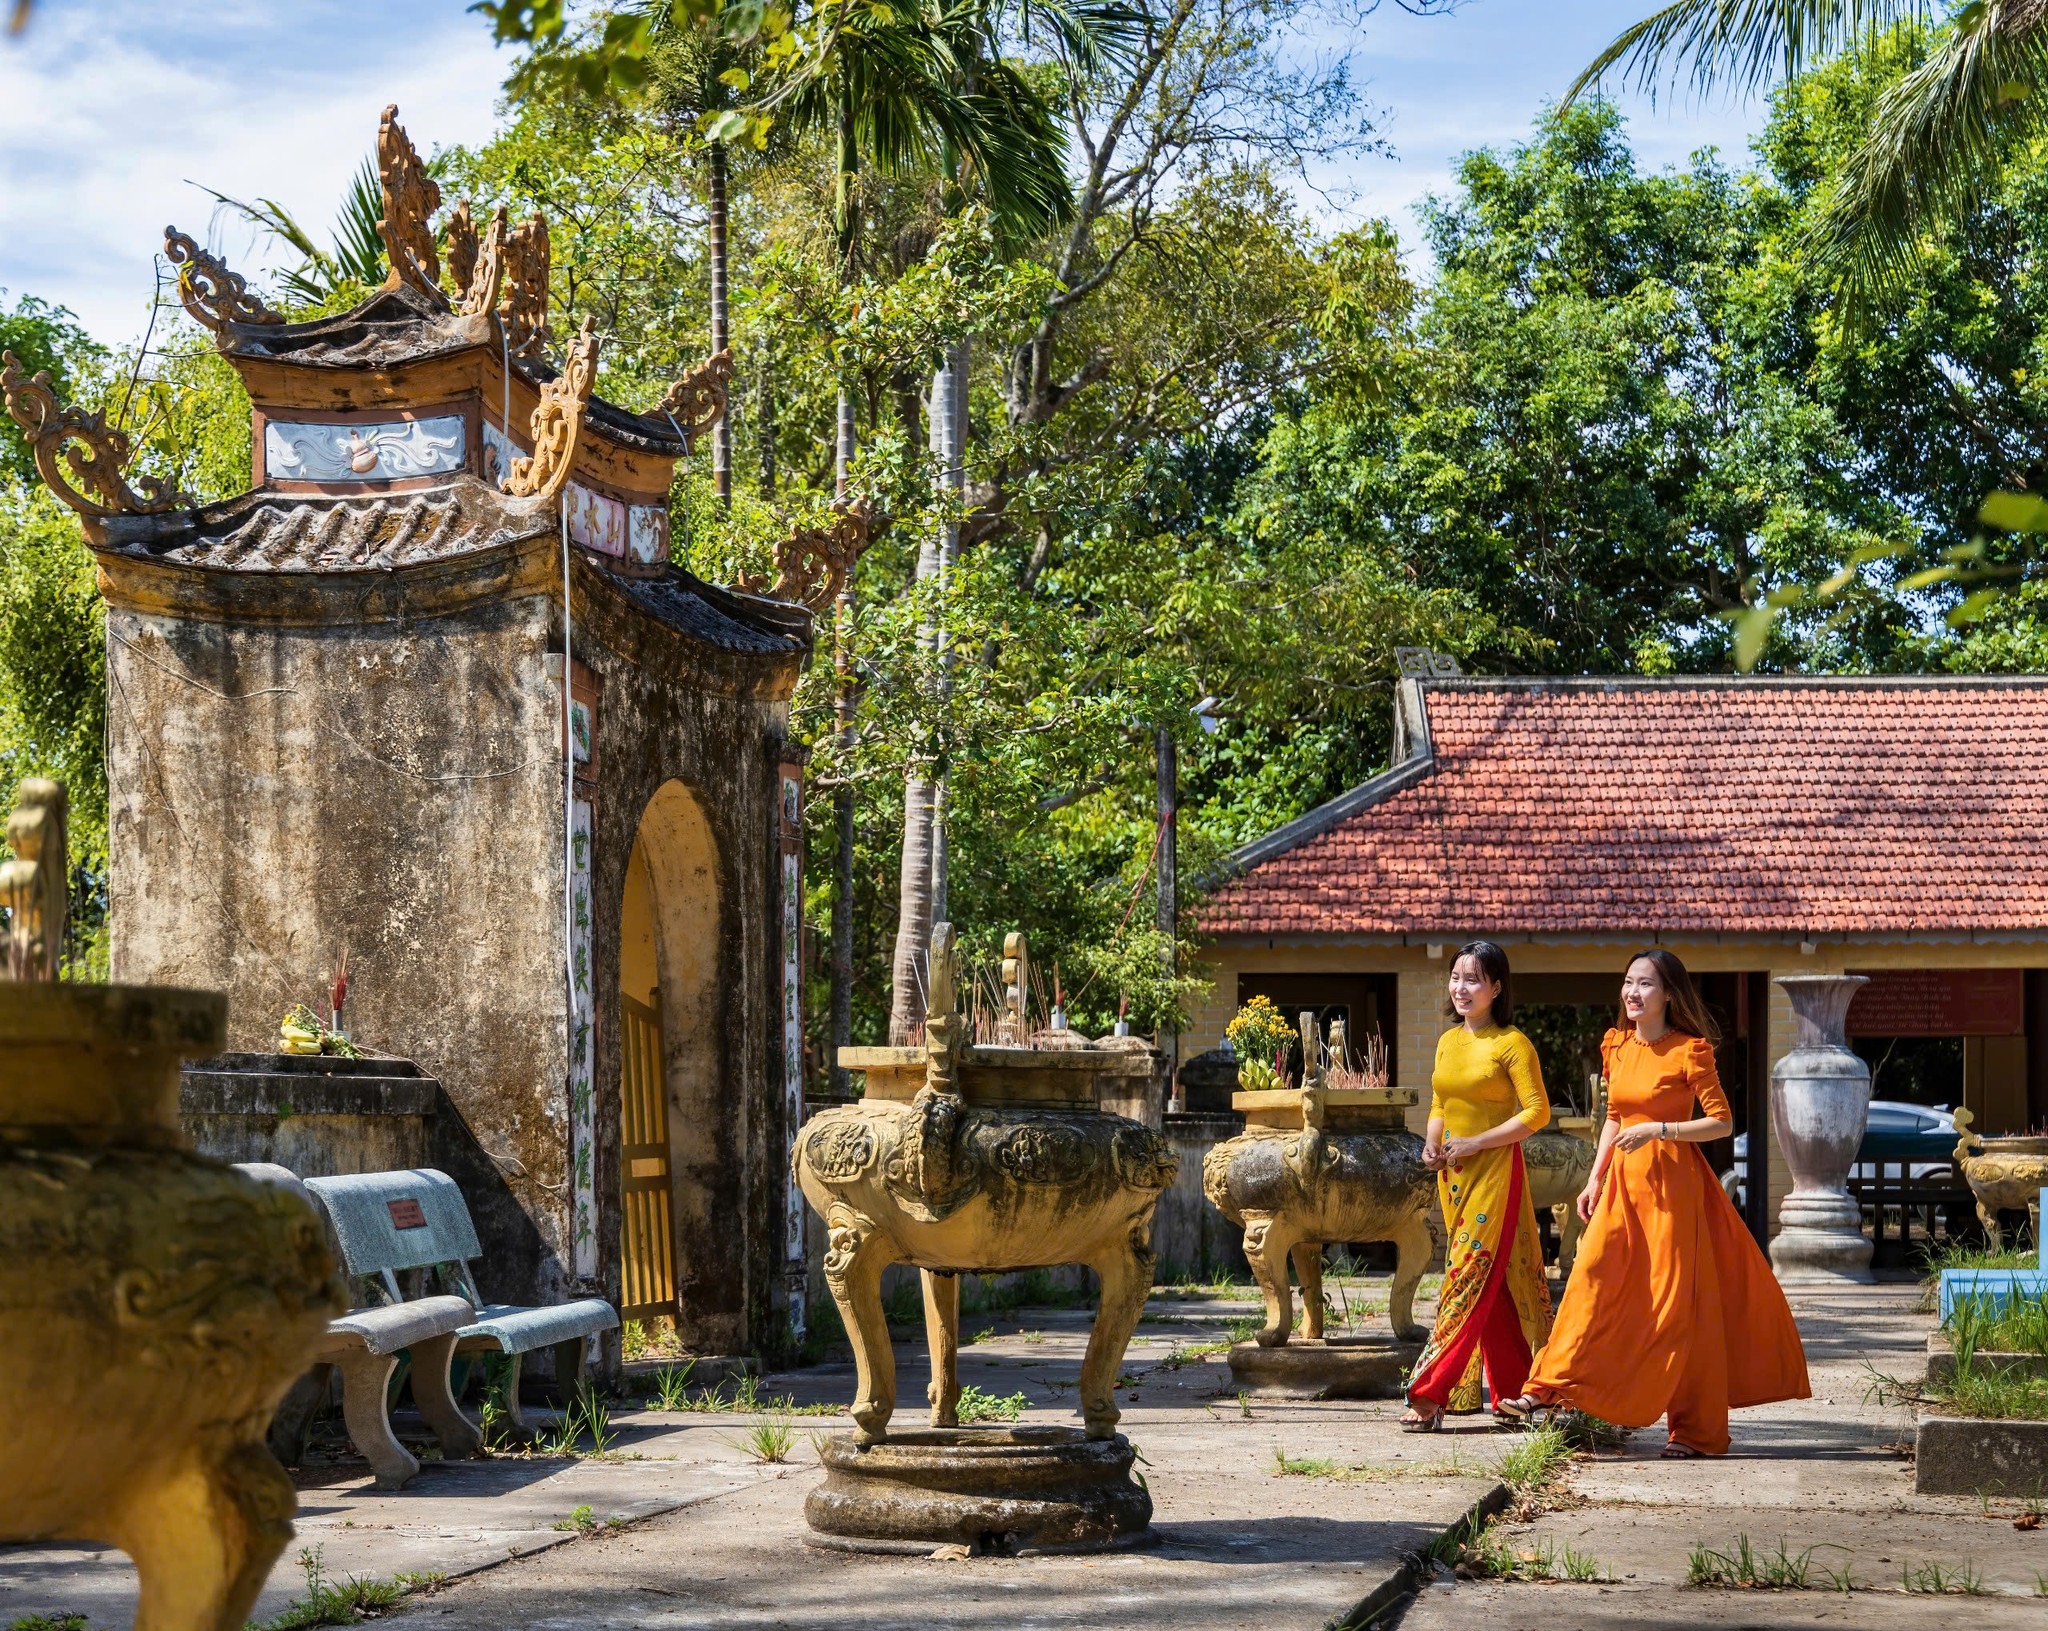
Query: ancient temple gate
{"type": "Point", "coordinates": [347, 711]}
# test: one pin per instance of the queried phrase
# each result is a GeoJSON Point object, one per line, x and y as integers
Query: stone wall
{"type": "Point", "coordinates": [320, 1117]}
{"type": "Point", "coordinates": [1189, 1235]}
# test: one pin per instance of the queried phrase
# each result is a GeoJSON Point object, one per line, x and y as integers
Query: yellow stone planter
{"type": "Point", "coordinates": [154, 1305]}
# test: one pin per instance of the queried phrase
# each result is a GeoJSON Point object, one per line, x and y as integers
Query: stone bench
{"type": "Point", "coordinates": [419, 1216]}
{"type": "Point", "coordinates": [365, 1343]}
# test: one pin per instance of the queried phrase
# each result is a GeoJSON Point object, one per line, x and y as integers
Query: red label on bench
{"type": "Point", "coordinates": [406, 1214]}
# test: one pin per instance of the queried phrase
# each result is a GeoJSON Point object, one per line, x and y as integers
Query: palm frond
{"type": "Point", "coordinates": [1091, 35]}
{"type": "Point", "coordinates": [358, 244]}
{"type": "Point", "coordinates": [1743, 43]}
{"type": "Point", "coordinates": [1935, 143]}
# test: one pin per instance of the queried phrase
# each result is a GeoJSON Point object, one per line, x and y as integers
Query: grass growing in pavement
{"type": "Point", "coordinates": [1536, 1461]}
{"type": "Point", "coordinates": [1974, 1388]}
{"type": "Point", "coordinates": [768, 1441]}
{"type": "Point", "coordinates": [1302, 1466]}
{"type": "Point", "coordinates": [1936, 1579]}
{"type": "Point", "coordinates": [1743, 1565]}
{"type": "Point", "coordinates": [330, 1602]}
{"type": "Point", "coordinates": [51, 1622]}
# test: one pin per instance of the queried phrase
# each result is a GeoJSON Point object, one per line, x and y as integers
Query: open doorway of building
{"type": "Point", "coordinates": [669, 1070]}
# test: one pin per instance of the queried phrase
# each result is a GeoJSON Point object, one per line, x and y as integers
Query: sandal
{"type": "Point", "coordinates": [1416, 1422]}
{"type": "Point", "coordinates": [1517, 1412]}
{"type": "Point", "coordinates": [1675, 1451]}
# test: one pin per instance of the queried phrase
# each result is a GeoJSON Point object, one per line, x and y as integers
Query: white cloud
{"type": "Point", "coordinates": [108, 112]}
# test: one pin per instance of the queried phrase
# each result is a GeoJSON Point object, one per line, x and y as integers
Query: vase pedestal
{"type": "Point", "coordinates": [998, 1491]}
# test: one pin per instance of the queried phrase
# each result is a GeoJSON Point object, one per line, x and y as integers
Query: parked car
{"type": "Point", "coordinates": [1886, 1133]}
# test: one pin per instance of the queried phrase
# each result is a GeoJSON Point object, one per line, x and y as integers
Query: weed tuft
{"type": "Point", "coordinates": [768, 1441]}
{"type": "Point", "coordinates": [976, 1405]}
{"type": "Point", "coordinates": [1306, 1466]}
{"type": "Point", "coordinates": [330, 1602]}
{"type": "Point", "coordinates": [1537, 1461]}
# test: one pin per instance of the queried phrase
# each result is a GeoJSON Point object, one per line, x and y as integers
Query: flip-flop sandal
{"type": "Point", "coordinates": [1675, 1451]}
{"type": "Point", "coordinates": [1422, 1423]}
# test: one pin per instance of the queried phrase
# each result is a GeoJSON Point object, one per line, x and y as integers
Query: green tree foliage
{"type": "Point", "coordinates": [44, 339]}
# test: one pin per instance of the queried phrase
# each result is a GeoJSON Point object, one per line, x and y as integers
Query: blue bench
{"type": "Point", "coordinates": [1993, 1287]}
{"type": "Point", "coordinates": [419, 1216]}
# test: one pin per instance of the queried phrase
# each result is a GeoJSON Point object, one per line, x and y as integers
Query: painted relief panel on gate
{"type": "Point", "coordinates": [304, 451]}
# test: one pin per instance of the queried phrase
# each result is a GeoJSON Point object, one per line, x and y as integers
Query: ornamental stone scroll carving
{"type": "Point", "coordinates": [212, 295]}
{"type": "Point", "coordinates": [78, 454]}
{"type": "Point", "coordinates": [558, 421]}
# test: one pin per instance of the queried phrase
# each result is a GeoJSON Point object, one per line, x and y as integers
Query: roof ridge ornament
{"type": "Point", "coordinates": [557, 420]}
{"type": "Point", "coordinates": [1420, 663]}
{"type": "Point", "coordinates": [410, 198]}
{"type": "Point", "coordinates": [698, 400]}
{"type": "Point", "coordinates": [78, 454]}
{"type": "Point", "coordinates": [212, 295]}
{"type": "Point", "coordinates": [485, 273]}
{"type": "Point", "coordinates": [524, 310]}
{"type": "Point", "coordinates": [460, 228]}
{"type": "Point", "coordinates": [812, 563]}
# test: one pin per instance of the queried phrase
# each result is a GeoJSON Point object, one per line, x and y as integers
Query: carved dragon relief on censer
{"type": "Point", "coordinates": [954, 1187]}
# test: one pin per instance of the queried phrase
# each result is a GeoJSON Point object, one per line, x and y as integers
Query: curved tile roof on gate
{"type": "Point", "coordinates": [1716, 806]}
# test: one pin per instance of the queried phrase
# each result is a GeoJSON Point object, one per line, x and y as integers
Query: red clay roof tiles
{"type": "Point", "coordinates": [1758, 807]}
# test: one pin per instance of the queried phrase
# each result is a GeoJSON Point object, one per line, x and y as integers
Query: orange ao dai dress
{"type": "Point", "coordinates": [1494, 1309]}
{"type": "Point", "coordinates": [1671, 1311]}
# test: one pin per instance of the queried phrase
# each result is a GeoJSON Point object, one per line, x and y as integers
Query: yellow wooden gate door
{"type": "Point", "coordinates": [646, 1238]}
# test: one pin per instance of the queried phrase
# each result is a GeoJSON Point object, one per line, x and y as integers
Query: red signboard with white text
{"type": "Point", "coordinates": [1941, 1002]}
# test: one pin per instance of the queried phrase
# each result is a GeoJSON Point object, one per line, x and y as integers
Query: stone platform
{"type": "Point", "coordinates": [1343, 1368]}
{"type": "Point", "coordinates": [999, 1491]}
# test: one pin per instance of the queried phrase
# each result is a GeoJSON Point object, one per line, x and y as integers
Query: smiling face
{"type": "Point", "coordinates": [1644, 996]}
{"type": "Point", "coordinates": [1472, 993]}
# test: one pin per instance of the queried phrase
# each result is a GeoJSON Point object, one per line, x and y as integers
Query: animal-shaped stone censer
{"type": "Point", "coordinates": [1317, 1165]}
{"type": "Point", "coordinates": [154, 1304]}
{"type": "Point", "coordinates": [980, 1159]}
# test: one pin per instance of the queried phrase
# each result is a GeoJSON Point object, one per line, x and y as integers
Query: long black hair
{"type": "Point", "coordinates": [1493, 963]}
{"type": "Point", "coordinates": [1684, 1011]}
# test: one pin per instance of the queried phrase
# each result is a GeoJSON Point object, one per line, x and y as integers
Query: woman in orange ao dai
{"type": "Point", "coordinates": [1671, 1311]}
{"type": "Point", "coordinates": [1486, 1096]}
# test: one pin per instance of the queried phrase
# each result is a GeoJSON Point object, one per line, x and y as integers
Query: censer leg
{"type": "Point", "coordinates": [1126, 1282]}
{"type": "Point", "coordinates": [204, 1541]}
{"type": "Point", "coordinates": [1265, 1248]}
{"type": "Point", "coordinates": [942, 1336]}
{"type": "Point", "coordinates": [1412, 1248]}
{"type": "Point", "coordinates": [1308, 1269]}
{"type": "Point", "coordinates": [855, 1255]}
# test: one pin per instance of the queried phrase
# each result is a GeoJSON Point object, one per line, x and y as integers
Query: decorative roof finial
{"type": "Point", "coordinates": [410, 198]}
{"type": "Point", "coordinates": [524, 310]}
{"type": "Point", "coordinates": [697, 401]}
{"type": "Point", "coordinates": [36, 884]}
{"type": "Point", "coordinates": [812, 563]}
{"type": "Point", "coordinates": [462, 244]}
{"type": "Point", "coordinates": [486, 272]}
{"type": "Point", "coordinates": [214, 296]}
{"type": "Point", "coordinates": [557, 419]}
{"type": "Point", "coordinates": [79, 454]}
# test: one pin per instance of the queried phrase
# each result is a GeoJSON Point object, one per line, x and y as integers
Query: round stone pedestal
{"type": "Point", "coordinates": [998, 1490]}
{"type": "Point", "coordinates": [1821, 1242]}
{"type": "Point", "coordinates": [1348, 1368]}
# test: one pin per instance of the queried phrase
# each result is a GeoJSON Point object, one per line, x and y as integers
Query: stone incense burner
{"type": "Point", "coordinates": [2004, 1173]}
{"type": "Point", "coordinates": [964, 1159]}
{"type": "Point", "coordinates": [1317, 1165]}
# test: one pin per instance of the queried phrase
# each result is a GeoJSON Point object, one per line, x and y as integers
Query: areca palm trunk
{"type": "Point", "coordinates": [845, 225]}
{"type": "Point", "coordinates": [721, 331]}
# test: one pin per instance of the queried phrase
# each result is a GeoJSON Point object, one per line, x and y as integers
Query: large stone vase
{"type": "Point", "coordinates": [1820, 1101]}
{"type": "Point", "coordinates": [154, 1305]}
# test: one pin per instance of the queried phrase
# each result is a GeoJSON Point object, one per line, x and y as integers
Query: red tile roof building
{"type": "Point", "coordinates": [1789, 808]}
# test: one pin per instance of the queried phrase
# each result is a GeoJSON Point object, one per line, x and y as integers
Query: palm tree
{"type": "Point", "coordinates": [1080, 37]}
{"type": "Point", "coordinates": [901, 91]}
{"type": "Point", "coordinates": [1934, 140]}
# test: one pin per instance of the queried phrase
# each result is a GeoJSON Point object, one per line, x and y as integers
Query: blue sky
{"type": "Point", "coordinates": [110, 109]}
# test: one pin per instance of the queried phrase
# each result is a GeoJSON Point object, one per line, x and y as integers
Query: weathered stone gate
{"type": "Point", "coordinates": [337, 720]}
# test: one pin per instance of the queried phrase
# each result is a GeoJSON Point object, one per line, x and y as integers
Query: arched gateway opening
{"type": "Point", "coordinates": [669, 1071]}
